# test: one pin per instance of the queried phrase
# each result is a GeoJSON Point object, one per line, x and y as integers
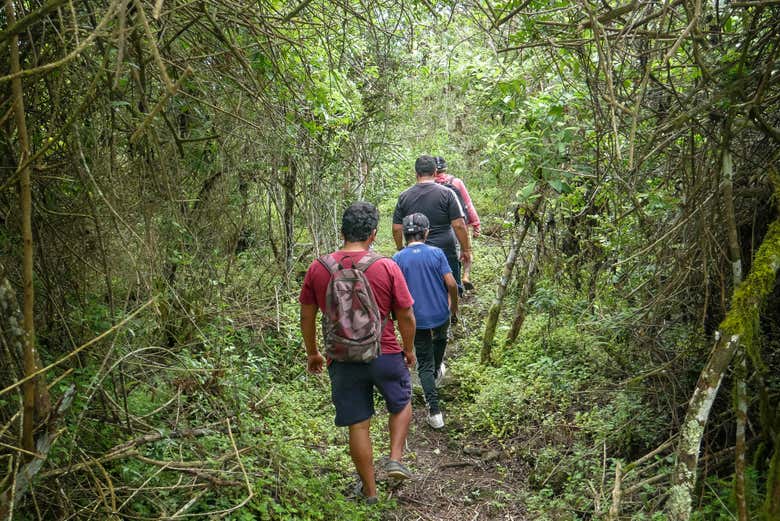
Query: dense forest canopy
{"type": "Point", "coordinates": [169, 169]}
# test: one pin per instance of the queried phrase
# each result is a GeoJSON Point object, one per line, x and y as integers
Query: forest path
{"type": "Point", "coordinates": [457, 477]}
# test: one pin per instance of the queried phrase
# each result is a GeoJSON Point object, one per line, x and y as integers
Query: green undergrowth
{"type": "Point", "coordinates": [560, 403]}
{"type": "Point", "coordinates": [718, 499]}
{"type": "Point", "coordinates": [564, 402]}
{"type": "Point", "coordinates": [293, 459]}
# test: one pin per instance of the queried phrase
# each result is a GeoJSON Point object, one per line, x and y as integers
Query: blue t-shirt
{"type": "Point", "coordinates": [424, 268]}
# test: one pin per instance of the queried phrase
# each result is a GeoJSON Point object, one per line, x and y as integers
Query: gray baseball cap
{"type": "Point", "coordinates": [415, 223]}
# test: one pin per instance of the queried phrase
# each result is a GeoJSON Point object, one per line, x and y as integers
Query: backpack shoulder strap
{"type": "Point", "coordinates": [363, 264]}
{"type": "Point", "coordinates": [367, 260]}
{"type": "Point", "coordinates": [329, 262]}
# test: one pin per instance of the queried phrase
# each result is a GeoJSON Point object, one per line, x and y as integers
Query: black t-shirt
{"type": "Point", "coordinates": [439, 204]}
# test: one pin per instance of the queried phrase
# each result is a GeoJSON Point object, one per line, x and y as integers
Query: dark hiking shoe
{"type": "Point", "coordinates": [396, 470]}
{"type": "Point", "coordinates": [361, 496]}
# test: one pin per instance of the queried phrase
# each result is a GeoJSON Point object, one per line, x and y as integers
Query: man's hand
{"type": "Point", "coordinates": [406, 326]}
{"type": "Point", "coordinates": [398, 236]}
{"type": "Point", "coordinates": [410, 359]}
{"type": "Point", "coordinates": [476, 230]}
{"type": "Point", "coordinates": [465, 256]}
{"type": "Point", "coordinates": [453, 319]}
{"type": "Point", "coordinates": [309, 331]}
{"type": "Point", "coordinates": [314, 363]}
{"type": "Point", "coordinates": [452, 291]}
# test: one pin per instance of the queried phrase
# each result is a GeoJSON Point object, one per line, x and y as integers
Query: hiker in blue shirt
{"type": "Point", "coordinates": [435, 293]}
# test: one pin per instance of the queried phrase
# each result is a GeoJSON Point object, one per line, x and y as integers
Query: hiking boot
{"type": "Point", "coordinates": [396, 470]}
{"type": "Point", "coordinates": [361, 496]}
{"type": "Point", "coordinates": [436, 421]}
{"type": "Point", "coordinates": [439, 379]}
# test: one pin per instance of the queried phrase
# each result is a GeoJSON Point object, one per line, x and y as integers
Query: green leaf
{"type": "Point", "coordinates": [526, 192]}
{"type": "Point", "coordinates": [559, 186]}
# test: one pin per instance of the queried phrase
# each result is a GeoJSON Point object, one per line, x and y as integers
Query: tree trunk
{"type": "Point", "coordinates": [740, 325]}
{"type": "Point", "coordinates": [614, 509]}
{"type": "Point", "coordinates": [518, 236]}
{"type": "Point", "coordinates": [288, 217]}
{"type": "Point", "coordinates": [525, 293]}
{"type": "Point", "coordinates": [11, 346]}
{"type": "Point", "coordinates": [33, 390]}
{"type": "Point", "coordinates": [740, 390]}
{"type": "Point", "coordinates": [772, 502]}
{"type": "Point", "coordinates": [741, 405]}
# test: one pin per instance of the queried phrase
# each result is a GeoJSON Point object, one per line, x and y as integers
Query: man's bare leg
{"type": "Point", "coordinates": [466, 276]}
{"type": "Point", "coordinates": [363, 455]}
{"type": "Point", "coordinates": [399, 429]}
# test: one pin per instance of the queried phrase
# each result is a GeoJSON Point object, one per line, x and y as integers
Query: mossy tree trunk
{"type": "Point", "coordinates": [741, 325]}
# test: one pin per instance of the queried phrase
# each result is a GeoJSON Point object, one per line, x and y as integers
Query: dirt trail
{"type": "Point", "coordinates": [452, 485]}
{"type": "Point", "coordinates": [455, 478]}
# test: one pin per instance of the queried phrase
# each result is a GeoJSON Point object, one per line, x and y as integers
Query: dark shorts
{"type": "Point", "coordinates": [352, 387]}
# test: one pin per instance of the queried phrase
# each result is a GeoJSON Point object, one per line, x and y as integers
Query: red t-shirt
{"type": "Point", "coordinates": [387, 283]}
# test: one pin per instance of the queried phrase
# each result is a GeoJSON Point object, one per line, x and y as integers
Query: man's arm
{"type": "Point", "coordinates": [398, 236]}
{"type": "Point", "coordinates": [406, 326]}
{"type": "Point", "coordinates": [452, 289]}
{"type": "Point", "coordinates": [462, 233]}
{"type": "Point", "coordinates": [309, 332]}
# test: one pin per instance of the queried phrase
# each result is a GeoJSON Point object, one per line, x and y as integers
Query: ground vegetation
{"type": "Point", "coordinates": [169, 169]}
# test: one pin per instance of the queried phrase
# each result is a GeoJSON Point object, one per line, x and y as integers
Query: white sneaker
{"type": "Point", "coordinates": [436, 420]}
{"type": "Point", "coordinates": [440, 375]}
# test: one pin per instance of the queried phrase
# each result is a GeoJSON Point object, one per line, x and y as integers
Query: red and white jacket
{"type": "Point", "coordinates": [442, 178]}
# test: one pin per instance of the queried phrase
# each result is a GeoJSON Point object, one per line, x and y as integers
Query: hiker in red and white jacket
{"type": "Point", "coordinates": [472, 218]}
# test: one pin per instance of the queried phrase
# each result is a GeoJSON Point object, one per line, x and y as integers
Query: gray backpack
{"type": "Point", "coordinates": [351, 324]}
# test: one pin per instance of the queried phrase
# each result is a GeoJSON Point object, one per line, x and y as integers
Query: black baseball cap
{"type": "Point", "coordinates": [441, 164]}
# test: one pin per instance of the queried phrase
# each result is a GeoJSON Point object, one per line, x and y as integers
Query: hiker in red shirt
{"type": "Point", "coordinates": [472, 218]}
{"type": "Point", "coordinates": [353, 383]}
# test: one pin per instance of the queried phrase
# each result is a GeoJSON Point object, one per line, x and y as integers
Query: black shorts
{"type": "Point", "coordinates": [352, 387]}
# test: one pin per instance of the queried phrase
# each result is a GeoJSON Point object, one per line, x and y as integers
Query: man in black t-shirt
{"type": "Point", "coordinates": [440, 205]}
